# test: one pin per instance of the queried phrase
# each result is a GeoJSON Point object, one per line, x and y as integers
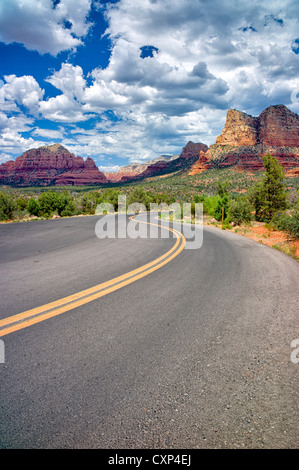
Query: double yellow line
{"type": "Point", "coordinates": [39, 314]}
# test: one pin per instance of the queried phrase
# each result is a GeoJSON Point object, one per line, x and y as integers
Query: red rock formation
{"type": "Point", "coordinates": [279, 127]}
{"type": "Point", "coordinates": [245, 139]}
{"type": "Point", "coordinates": [52, 165]}
{"type": "Point", "coordinates": [192, 150]}
{"type": "Point", "coordinates": [240, 129]}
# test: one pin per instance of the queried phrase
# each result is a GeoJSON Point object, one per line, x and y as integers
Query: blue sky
{"type": "Point", "coordinates": [128, 80]}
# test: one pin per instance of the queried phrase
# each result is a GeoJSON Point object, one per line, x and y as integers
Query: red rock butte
{"type": "Point", "coordinates": [50, 165]}
{"type": "Point", "coordinates": [245, 139]}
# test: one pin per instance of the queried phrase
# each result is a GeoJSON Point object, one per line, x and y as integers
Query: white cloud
{"type": "Point", "coordinates": [109, 168]}
{"type": "Point", "coordinates": [69, 79]}
{"type": "Point", "coordinates": [48, 133]}
{"type": "Point", "coordinates": [39, 26]}
{"type": "Point", "coordinates": [62, 108]}
{"type": "Point", "coordinates": [13, 143]}
{"type": "Point", "coordinates": [23, 91]}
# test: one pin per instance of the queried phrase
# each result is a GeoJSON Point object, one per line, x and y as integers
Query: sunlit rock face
{"type": "Point", "coordinates": [245, 139]}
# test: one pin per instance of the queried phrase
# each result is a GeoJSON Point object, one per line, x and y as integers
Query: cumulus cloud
{"type": "Point", "coordinates": [23, 91]}
{"type": "Point", "coordinates": [40, 25]}
{"type": "Point", "coordinates": [69, 79]}
{"type": "Point", "coordinates": [13, 143]}
{"type": "Point", "coordinates": [62, 108]}
{"type": "Point", "coordinates": [48, 133]}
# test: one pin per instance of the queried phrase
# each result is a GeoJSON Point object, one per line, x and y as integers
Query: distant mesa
{"type": "Point", "coordinates": [245, 139]}
{"type": "Point", "coordinates": [50, 165]}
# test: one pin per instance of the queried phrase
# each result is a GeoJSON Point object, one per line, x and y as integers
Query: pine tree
{"type": "Point", "coordinates": [269, 196]}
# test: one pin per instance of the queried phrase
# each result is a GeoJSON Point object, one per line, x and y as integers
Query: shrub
{"type": "Point", "coordinates": [51, 201]}
{"type": "Point", "coordinates": [33, 207]}
{"type": "Point", "coordinates": [221, 209]}
{"type": "Point", "coordinates": [240, 210]}
{"type": "Point", "coordinates": [48, 203]}
{"type": "Point", "coordinates": [22, 203]}
{"type": "Point", "coordinates": [293, 224]}
{"type": "Point", "coordinates": [64, 204]}
{"type": "Point", "coordinates": [286, 222]}
{"type": "Point", "coordinates": [280, 221]}
{"type": "Point", "coordinates": [7, 206]}
{"type": "Point", "coordinates": [209, 204]}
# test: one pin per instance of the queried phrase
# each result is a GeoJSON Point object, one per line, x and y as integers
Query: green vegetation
{"type": "Point", "coordinates": [240, 210]}
{"type": "Point", "coordinates": [222, 206]}
{"type": "Point", "coordinates": [229, 197]}
{"type": "Point", "coordinates": [7, 206]}
{"type": "Point", "coordinates": [269, 196]}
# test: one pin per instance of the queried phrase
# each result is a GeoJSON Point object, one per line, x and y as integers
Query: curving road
{"type": "Point", "coordinates": [195, 354]}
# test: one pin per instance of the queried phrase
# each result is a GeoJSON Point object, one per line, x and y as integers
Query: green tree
{"type": "Point", "coordinates": [221, 209]}
{"type": "Point", "coordinates": [140, 196]}
{"type": "Point", "coordinates": [22, 203]}
{"type": "Point", "coordinates": [110, 195]}
{"type": "Point", "coordinates": [269, 195]}
{"type": "Point", "coordinates": [7, 206]}
{"type": "Point", "coordinates": [48, 202]}
{"type": "Point", "coordinates": [33, 207]}
{"type": "Point", "coordinates": [64, 204]}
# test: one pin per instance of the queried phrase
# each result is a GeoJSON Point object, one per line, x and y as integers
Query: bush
{"type": "Point", "coordinates": [50, 202]}
{"type": "Point", "coordinates": [221, 209]}
{"type": "Point", "coordinates": [240, 210]}
{"type": "Point", "coordinates": [33, 207]}
{"type": "Point", "coordinates": [293, 224]}
{"type": "Point", "coordinates": [280, 221]}
{"type": "Point", "coordinates": [287, 223]}
{"type": "Point", "coordinates": [209, 204]}
{"type": "Point", "coordinates": [22, 203]}
{"type": "Point", "coordinates": [140, 196]}
{"type": "Point", "coordinates": [7, 206]}
{"type": "Point", "coordinates": [89, 201]}
{"type": "Point", "coordinates": [64, 205]}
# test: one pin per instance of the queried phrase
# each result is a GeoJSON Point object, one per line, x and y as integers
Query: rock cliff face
{"type": "Point", "coordinates": [50, 165]}
{"type": "Point", "coordinates": [245, 139]}
{"type": "Point", "coordinates": [239, 129]}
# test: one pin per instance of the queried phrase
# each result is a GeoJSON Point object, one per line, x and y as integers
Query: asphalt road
{"type": "Point", "coordinates": [196, 354]}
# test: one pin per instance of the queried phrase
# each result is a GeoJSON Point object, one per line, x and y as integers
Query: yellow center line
{"type": "Point", "coordinates": [57, 307]}
{"type": "Point", "coordinates": [86, 292]}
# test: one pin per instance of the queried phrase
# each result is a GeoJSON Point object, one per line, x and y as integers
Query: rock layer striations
{"type": "Point", "coordinates": [50, 165]}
